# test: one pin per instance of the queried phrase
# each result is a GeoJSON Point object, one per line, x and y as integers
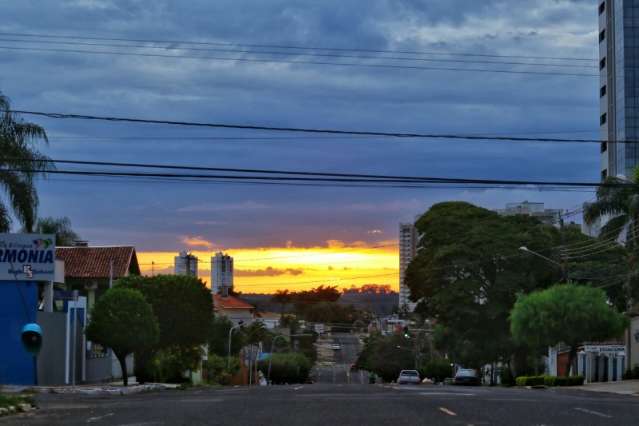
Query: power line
{"type": "Point", "coordinates": [306, 54]}
{"type": "Point", "coordinates": [291, 47]}
{"type": "Point", "coordinates": [409, 180]}
{"type": "Point", "coordinates": [295, 62]}
{"type": "Point", "coordinates": [305, 130]}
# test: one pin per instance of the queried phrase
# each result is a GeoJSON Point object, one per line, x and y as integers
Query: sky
{"type": "Point", "coordinates": [301, 236]}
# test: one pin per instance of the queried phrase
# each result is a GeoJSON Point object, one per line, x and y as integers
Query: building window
{"type": "Point", "coordinates": [603, 119]}
{"type": "Point", "coordinates": [602, 91]}
{"type": "Point", "coordinates": [602, 63]}
{"type": "Point", "coordinates": [604, 146]}
{"type": "Point", "coordinates": [604, 174]}
{"type": "Point", "coordinates": [602, 7]}
{"type": "Point", "coordinates": [602, 35]}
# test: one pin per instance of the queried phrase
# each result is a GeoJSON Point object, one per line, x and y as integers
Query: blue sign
{"type": "Point", "coordinates": [27, 257]}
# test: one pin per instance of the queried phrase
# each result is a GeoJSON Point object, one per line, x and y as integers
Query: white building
{"type": "Point", "coordinates": [538, 210]}
{"type": "Point", "coordinates": [221, 273]}
{"type": "Point", "coordinates": [407, 251]}
{"type": "Point", "coordinates": [186, 264]}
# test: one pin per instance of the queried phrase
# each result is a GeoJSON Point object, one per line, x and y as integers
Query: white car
{"type": "Point", "coordinates": [409, 377]}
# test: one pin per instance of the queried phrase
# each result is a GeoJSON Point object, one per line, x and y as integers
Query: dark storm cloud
{"type": "Point", "coordinates": [155, 216]}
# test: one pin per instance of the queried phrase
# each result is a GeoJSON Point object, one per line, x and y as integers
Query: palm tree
{"type": "Point", "coordinates": [20, 163]}
{"type": "Point", "coordinates": [617, 201]}
{"type": "Point", "coordinates": [61, 227]}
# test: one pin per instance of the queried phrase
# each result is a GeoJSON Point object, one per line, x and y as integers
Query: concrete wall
{"type": "Point", "coordinates": [52, 356]}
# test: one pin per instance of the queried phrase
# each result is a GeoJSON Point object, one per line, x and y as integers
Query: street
{"type": "Point", "coordinates": [325, 404]}
{"type": "Point", "coordinates": [337, 370]}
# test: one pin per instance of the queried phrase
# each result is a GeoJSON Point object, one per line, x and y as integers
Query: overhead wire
{"type": "Point", "coordinates": [307, 130]}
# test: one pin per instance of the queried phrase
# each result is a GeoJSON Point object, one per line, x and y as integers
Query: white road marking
{"type": "Point", "coordinates": [594, 413]}
{"type": "Point", "coordinates": [447, 411]}
{"type": "Point", "coordinates": [446, 394]}
{"type": "Point", "coordinates": [97, 419]}
{"type": "Point", "coordinates": [298, 388]}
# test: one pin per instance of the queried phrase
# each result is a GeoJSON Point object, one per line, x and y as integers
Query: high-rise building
{"type": "Point", "coordinates": [619, 85]}
{"type": "Point", "coordinates": [185, 264]}
{"type": "Point", "coordinates": [407, 251]}
{"type": "Point", "coordinates": [538, 210]}
{"type": "Point", "coordinates": [221, 273]}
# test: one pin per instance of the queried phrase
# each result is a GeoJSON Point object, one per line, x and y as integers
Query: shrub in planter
{"type": "Point", "coordinates": [436, 369]}
{"type": "Point", "coordinates": [217, 370]}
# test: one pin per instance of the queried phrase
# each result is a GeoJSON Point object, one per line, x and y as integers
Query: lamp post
{"type": "Point", "coordinates": [270, 358]}
{"type": "Point", "coordinates": [562, 267]}
{"type": "Point", "coordinates": [228, 357]}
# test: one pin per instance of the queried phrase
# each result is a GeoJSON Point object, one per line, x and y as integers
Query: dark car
{"type": "Point", "coordinates": [466, 376]}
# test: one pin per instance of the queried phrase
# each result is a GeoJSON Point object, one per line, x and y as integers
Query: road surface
{"type": "Point", "coordinates": [338, 369]}
{"type": "Point", "coordinates": [328, 404]}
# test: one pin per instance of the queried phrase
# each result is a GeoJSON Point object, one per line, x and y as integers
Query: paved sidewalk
{"type": "Point", "coordinates": [626, 387]}
{"type": "Point", "coordinates": [106, 389]}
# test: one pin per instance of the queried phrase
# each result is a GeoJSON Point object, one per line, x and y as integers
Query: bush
{"type": "Point", "coordinates": [287, 368]}
{"type": "Point", "coordinates": [436, 370]}
{"type": "Point", "coordinates": [530, 381]}
{"type": "Point", "coordinates": [170, 365]}
{"type": "Point", "coordinates": [506, 377]}
{"type": "Point", "coordinates": [218, 369]}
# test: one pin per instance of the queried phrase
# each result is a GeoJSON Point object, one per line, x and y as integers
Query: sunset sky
{"type": "Point", "coordinates": [286, 235]}
{"type": "Point", "coordinates": [269, 269]}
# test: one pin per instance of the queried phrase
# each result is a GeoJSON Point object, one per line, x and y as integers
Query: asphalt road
{"type": "Point", "coordinates": [338, 371]}
{"type": "Point", "coordinates": [321, 404]}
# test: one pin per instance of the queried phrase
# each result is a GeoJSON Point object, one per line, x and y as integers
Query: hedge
{"type": "Point", "coordinates": [287, 368]}
{"type": "Point", "coordinates": [550, 381]}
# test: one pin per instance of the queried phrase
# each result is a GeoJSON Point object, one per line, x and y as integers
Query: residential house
{"type": "Point", "coordinates": [233, 308]}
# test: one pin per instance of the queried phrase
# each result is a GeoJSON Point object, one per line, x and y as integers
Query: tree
{"type": "Point", "coordinates": [566, 313]}
{"type": "Point", "coordinates": [283, 298]}
{"type": "Point", "coordinates": [618, 204]}
{"type": "Point", "coordinates": [21, 163]}
{"type": "Point", "coordinates": [218, 339]}
{"type": "Point", "coordinates": [469, 270]}
{"type": "Point", "coordinates": [386, 356]}
{"type": "Point", "coordinates": [123, 321]}
{"type": "Point", "coordinates": [184, 308]}
{"type": "Point", "coordinates": [61, 227]}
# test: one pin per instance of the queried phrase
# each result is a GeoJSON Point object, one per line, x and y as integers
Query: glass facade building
{"type": "Point", "coordinates": [619, 86]}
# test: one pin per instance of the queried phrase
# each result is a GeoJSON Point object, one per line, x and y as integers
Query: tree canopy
{"type": "Point", "coordinates": [123, 321]}
{"type": "Point", "coordinates": [61, 227]}
{"type": "Point", "coordinates": [469, 270]}
{"type": "Point", "coordinates": [567, 313]}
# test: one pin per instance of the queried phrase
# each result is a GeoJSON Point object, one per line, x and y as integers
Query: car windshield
{"type": "Point", "coordinates": [466, 373]}
{"type": "Point", "coordinates": [409, 373]}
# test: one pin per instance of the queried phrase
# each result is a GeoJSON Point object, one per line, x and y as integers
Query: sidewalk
{"type": "Point", "coordinates": [626, 387]}
{"type": "Point", "coordinates": [114, 388]}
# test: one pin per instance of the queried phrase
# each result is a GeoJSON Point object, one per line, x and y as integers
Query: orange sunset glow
{"type": "Point", "coordinates": [265, 270]}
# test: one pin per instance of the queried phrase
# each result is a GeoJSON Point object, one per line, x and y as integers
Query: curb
{"type": "Point", "coordinates": [92, 390]}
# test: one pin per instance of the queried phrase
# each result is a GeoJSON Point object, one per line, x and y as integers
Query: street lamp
{"type": "Point", "coordinates": [547, 259]}
{"type": "Point", "coordinates": [228, 358]}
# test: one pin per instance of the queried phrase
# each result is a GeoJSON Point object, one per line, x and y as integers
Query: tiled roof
{"type": "Point", "coordinates": [95, 262]}
{"type": "Point", "coordinates": [230, 302]}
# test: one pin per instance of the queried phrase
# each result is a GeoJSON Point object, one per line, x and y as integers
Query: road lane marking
{"type": "Point", "coordinates": [98, 418]}
{"type": "Point", "coordinates": [447, 411]}
{"type": "Point", "coordinates": [446, 394]}
{"type": "Point", "coordinates": [594, 413]}
{"type": "Point", "coordinates": [298, 388]}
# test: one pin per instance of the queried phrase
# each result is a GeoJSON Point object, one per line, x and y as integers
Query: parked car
{"type": "Point", "coordinates": [466, 376]}
{"type": "Point", "coordinates": [409, 377]}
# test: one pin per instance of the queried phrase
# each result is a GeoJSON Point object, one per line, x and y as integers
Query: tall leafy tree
{"type": "Point", "coordinates": [568, 314]}
{"type": "Point", "coordinates": [123, 321]}
{"type": "Point", "coordinates": [184, 308]}
{"type": "Point", "coordinates": [20, 163]}
{"type": "Point", "coordinates": [61, 227]}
